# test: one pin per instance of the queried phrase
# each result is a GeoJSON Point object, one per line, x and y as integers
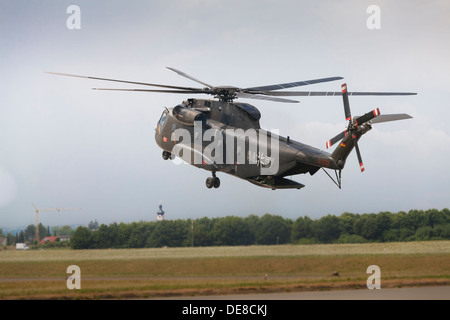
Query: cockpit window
{"type": "Point", "coordinates": [163, 118]}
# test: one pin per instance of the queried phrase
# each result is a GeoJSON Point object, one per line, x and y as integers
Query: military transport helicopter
{"type": "Point", "coordinates": [222, 135]}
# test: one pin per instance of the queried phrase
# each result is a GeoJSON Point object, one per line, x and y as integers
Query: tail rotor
{"type": "Point", "coordinates": [354, 125]}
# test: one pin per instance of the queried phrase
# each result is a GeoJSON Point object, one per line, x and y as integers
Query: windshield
{"type": "Point", "coordinates": [163, 118]}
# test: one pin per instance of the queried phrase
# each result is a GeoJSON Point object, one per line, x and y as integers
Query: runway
{"type": "Point", "coordinates": [408, 293]}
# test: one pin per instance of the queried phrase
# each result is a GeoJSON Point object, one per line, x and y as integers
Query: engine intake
{"type": "Point", "coordinates": [188, 116]}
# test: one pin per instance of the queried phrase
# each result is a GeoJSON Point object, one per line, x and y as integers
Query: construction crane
{"type": "Point", "coordinates": [48, 209]}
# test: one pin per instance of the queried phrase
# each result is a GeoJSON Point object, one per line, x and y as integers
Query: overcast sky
{"type": "Point", "coordinates": [65, 145]}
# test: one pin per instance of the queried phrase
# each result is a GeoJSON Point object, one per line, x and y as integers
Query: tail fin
{"type": "Point", "coordinates": [344, 149]}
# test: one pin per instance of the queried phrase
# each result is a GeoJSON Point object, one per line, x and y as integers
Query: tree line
{"type": "Point", "coordinates": [415, 225]}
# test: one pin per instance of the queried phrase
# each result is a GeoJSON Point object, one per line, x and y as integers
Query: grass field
{"type": "Point", "coordinates": [156, 272]}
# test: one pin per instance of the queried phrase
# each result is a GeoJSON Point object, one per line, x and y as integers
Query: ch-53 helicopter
{"type": "Point", "coordinates": [222, 135]}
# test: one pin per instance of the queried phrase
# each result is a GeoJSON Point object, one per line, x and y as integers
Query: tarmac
{"type": "Point", "coordinates": [406, 293]}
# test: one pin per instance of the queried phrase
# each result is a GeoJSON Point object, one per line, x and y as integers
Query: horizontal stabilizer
{"type": "Point", "coordinates": [390, 117]}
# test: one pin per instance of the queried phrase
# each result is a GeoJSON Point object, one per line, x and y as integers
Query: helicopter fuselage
{"type": "Point", "coordinates": [226, 137]}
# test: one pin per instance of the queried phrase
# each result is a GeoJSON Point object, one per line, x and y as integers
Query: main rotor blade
{"type": "Point", "coordinates": [181, 73]}
{"type": "Point", "coordinates": [263, 97]}
{"type": "Point", "coordinates": [291, 84]}
{"type": "Point", "coordinates": [390, 117]}
{"type": "Point", "coordinates": [331, 93]}
{"type": "Point", "coordinates": [358, 154]}
{"type": "Point", "coordinates": [382, 93]}
{"type": "Point", "coordinates": [124, 81]}
{"type": "Point", "coordinates": [161, 91]}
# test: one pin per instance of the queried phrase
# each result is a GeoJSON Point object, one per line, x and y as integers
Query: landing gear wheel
{"type": "Point", "coordinates": [212, 182]}
{"type": "Point", "coordinates": [166, 155]}
{"type": "Point", "coordinates": [209, 182]}
{"type": "Point", "coordinates": [216, 182]}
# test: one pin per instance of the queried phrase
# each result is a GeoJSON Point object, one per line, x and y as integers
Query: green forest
{"type": "Point", "coordinates": [415, 225]}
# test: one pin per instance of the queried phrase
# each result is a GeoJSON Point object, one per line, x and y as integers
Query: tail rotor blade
{"type": "Point", "coordinates": [368, 116]}
{"type": "Point", "coordinates": [337, 138]}
{"type": "Point", "coordinates": [348, 114]}
{"type": "Point", "coordinates": [355, 142]}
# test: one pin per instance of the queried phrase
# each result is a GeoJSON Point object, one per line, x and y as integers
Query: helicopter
{"type": "Point", "coordinates": [221, 135]}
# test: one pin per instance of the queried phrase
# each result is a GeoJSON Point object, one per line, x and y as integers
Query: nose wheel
{"type": "Point", "coordinates": [166, 155]}
{"type": "Point", "coordinates": [212, 182]}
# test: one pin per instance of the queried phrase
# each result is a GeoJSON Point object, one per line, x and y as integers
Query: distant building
{"type": "Point", "coordinates": [160, 213]}
{"type": "Point", "coordinates": [49, 239]}
{"type": "Point", "coordinates": [53, 239]}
